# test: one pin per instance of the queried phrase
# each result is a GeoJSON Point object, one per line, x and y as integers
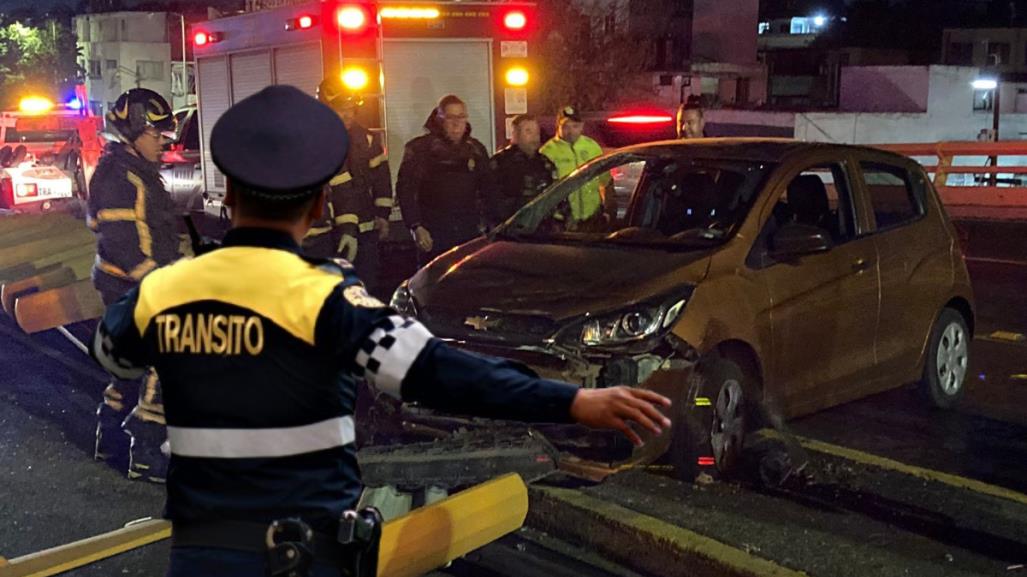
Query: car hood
{"type": "Point", "coordinates": [553, 281]}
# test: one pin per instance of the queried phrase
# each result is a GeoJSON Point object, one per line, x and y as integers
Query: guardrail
{"type": "Point", "coordinates": [984, 180]}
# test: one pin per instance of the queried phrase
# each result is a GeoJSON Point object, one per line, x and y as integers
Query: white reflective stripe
{"type": "Point", "coordinates": [258, 443]}
{"type": "Point", "coordinates": [103, 351]}
{"type": "Point", "coordinates": [395, 350]}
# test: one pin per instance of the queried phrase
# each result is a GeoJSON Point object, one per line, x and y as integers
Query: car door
{"type": "Point", "coordinates": [824, 306]}
{"type": "Point", "coordinates": [915, 260]}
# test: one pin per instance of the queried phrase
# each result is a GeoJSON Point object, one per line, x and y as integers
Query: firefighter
{"type": "Point", "coordinates": [259, 348]}
{"type": "Point", "coordinates": [691, 121]}
{"type": "Point", "coordinates": [360, 196]}
{"type": "Point", "coordinates": [444, 181]}
{"type": "Point", "coordinates": [521, 172]}
{"type": "Point", "coordinates": [133, 218]}
{"type": "Point", "coordinates": [593, 204]}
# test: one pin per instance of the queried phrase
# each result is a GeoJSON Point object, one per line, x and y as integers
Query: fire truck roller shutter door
{"type": "Point", "coordinates": [215, 96]}
{"type": "Point", "coordinates": [420, 72]}
{"type": "Point", "coordinates": [299, 66]}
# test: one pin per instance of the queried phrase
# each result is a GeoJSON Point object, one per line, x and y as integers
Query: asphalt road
{"type": "Point", "coordinates": [52, 492]}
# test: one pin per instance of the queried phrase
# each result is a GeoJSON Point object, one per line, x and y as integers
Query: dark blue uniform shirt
{"type": "Point", "coordinates": [258, 347]}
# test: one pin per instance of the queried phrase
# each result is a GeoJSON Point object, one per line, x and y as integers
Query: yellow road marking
{"type": "Point", "coordinates": [919, 472]}
{"type": "Point", "coordinates": [76, 554]}
{"type": "Point", "coordinates": [1008, 336]}
{"type": "Point", "coordinates": [686, 543]}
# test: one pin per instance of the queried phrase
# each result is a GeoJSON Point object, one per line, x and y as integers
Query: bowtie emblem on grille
{"type": "Point", "coordinates": [482, 323]}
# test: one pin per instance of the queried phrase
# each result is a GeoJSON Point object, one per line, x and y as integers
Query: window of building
{"type": "Point", "coordinates": [999, 51]}
{"type": "Point", "coordinates": [610, 23]}
{"type": "Point", "coordinates": [149, 70]}
{"type": "Point", "coordinates": [763, 28]}
{"type": "Point", "coordinates": [94, 68]}
{"type": "Point", "coordinates": [892, 194]}
{"type": "Point", "coordinates": [983, 99]}
{"type": "Point", "coordinates": [111, 65]}
{"type": "Point", "coordinates": [666, 80]}
{"type": "Point", "coordinates": [960, 54]}
{"type": "Point", "coordinates": [800, 26]}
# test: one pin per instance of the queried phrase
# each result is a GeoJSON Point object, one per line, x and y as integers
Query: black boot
{"type": "Point", "coordinates": [147, 460]}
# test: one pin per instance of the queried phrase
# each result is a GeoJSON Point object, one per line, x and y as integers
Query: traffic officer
{"type": "Point", "coordinates": [593, 204]}
{"type": "Point", "coordinates": [691, 121]}
{"type": "Point", "coordinates": [361, 194]}
{"type": "Point", "coordinates": [521, 172]}
{"type": "Point", "coordinates": [444, 182]}
{"type": "Point", "coordinates": [133, 217]}
{"type": "Point", "coordinates": [259, 348]}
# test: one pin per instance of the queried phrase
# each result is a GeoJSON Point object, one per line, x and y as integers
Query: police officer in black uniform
{"type": "Point", "coordinates": [361, 194]}
{"type": "Point", "coordinates": [259, 348]}
{"type": "Point", "coordinates": [444, 182]}
{"type": "Point", "coordinates": [133, 217]}
{"type": "Point", "coordinates": [520, 171]}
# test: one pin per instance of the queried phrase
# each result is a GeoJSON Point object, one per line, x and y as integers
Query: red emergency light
{"type": "Point", "coordinates": [304, 22]}
{"type": "Point", "coordinates": [641, 119]}
{"type": "Point", "coordinates": [204, 38]}
{"type": "Point", "coordinates": [352, 18]}
{"type": "Point", "coordinates": [515, 20]}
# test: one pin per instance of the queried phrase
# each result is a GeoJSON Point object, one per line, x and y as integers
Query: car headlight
{"type": "Point", "coordinates": [403, 301]}
{"type": "Point", "coordinates": [634, 324]}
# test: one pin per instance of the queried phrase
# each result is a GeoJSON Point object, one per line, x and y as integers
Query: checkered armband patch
{"type": "Point", "coordinates": [388, 353]}
{"type": "Point", "coordinates": [103, 351]}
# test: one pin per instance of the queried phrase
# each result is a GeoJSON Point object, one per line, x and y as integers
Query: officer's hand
{"type": "Point", "coordinates": [382, 226]}
{"type": "Point", "coordinates": [617, 407]}
{"type": "Point", "coordinates": [423, 239]}
{"type": "Point", "coordinates": [347, 247]}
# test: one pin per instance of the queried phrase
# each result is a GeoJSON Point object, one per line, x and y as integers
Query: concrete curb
{"type": "Point", "coordinates": [639, 541]}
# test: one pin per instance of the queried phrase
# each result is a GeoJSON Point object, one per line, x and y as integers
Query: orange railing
{"type": "Point", "coordinates": [975, 179]}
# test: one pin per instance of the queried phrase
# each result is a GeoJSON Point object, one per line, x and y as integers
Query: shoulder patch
{"type": "Point", "coordinates": [336, 266]}
{"type": "Point", "coordinates": [358, 296]}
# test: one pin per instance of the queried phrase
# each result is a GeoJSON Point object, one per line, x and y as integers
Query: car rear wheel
{"type": "Point", "coordinates": [948, 358]}
{"type": "Point", "coordinates": [712, 421]}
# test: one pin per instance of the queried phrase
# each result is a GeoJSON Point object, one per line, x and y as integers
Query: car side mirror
{"type": "Point", "coordinates": [795, 240]}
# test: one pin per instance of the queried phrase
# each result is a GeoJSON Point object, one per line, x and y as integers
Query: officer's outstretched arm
{"type": "Point", "coordinates": [117, 344]}
{"type": "Point", "coordinates": [400, 357]}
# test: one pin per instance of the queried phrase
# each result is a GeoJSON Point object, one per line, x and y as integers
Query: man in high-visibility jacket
{"type": "Point", "coordinates": [593, 204]}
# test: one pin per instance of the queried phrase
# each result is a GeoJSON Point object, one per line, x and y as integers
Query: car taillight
{"type": "Point", "coordinates": [26, 190]}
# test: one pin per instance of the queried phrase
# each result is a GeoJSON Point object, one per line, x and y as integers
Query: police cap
{"type": "Point", "coordinates": [280, 143]}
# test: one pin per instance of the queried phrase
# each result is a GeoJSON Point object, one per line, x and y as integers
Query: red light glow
{"type": "Point", "coordinates": [707, 461]}
{"type": "Point", "coordinates": [641, 119]}
{"type": "Point", "coordinates": [515, 20]}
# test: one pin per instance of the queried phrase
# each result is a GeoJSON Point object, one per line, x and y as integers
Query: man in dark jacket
{"type": "Point", "coordinates": [443, 182]}
{"type": "Point", "coordinates": [133, 217]}
{"type": "Point", "coordinates": [521, 172]}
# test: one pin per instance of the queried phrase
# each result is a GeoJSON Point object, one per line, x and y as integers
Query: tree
{"type": "Point", "coordinates": [588, 56]}
{"type": "Point", "coordinates": [39, 57]}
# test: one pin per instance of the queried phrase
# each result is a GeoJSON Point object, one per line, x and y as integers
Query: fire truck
{"type": "Point", "coordinates": [401, 58]}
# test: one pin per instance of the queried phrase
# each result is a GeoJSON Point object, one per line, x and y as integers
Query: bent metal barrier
{"type": "Point", "coordinates": [976, 180]}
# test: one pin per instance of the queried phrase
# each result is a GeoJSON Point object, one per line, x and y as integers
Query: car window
{"type": "Point", "coordinates": [892, 194]}
{"type": "Point", "coordinates": [660, 200]}
{"type": "Point", "coordinates": [190, 137]}
{"type": "Point", "coordinates": [819, 196]}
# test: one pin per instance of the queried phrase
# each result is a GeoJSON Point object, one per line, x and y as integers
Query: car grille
{"type": "Point", "coordinates": [508, 329]}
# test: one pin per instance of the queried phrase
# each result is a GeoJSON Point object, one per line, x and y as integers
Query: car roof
{"type": "Point", "coordinates": [756, 149]}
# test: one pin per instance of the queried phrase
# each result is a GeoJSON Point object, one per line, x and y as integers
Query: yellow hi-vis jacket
{"type": "Point", "coordinates": [587, 201]}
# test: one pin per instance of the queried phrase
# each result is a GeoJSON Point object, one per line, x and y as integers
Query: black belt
{"type": "Point", "coordinates": [248, 536]}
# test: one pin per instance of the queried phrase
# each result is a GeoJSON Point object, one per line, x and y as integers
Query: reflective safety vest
{"type": "Point", "coordinates": [567, 157]}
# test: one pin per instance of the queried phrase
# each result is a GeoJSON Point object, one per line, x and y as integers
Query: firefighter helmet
{"type": "Point", "coordinates": [332, 92]}
{"type": "Point", "coordinates": [139, 109]}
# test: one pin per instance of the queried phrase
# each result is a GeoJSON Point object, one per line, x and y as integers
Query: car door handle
{"type": "Point", "coordinates": [861, 265]}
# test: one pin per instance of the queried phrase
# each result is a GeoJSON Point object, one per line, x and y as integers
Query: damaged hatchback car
{"type": "Point", "coordinates": [743, 278]}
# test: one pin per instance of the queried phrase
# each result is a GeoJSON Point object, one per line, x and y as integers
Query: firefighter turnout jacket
{"type": "Point", "coordinates": [363, 190]}
{"type": "Point", "coordinates": [133, 217]}
{"type": "Point", "coordinates": [258, 349]}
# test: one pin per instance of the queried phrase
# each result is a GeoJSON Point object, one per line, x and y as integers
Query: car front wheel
{"type": "Point", "coordinates": [948, 358]}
